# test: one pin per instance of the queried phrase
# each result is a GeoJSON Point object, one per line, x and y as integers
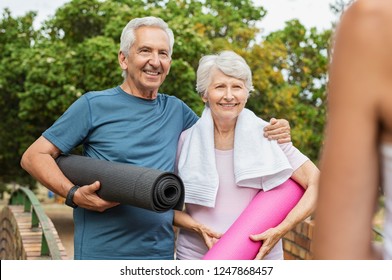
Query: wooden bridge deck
{"type": "Point", "coordinates": [19, 240]}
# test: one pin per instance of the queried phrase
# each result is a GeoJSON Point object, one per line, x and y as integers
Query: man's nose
{"type": "Point", "coordinates": [154, 60]}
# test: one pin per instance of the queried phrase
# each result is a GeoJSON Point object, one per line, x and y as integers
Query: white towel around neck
{"type": "Point", "coordinates": [258, 162]}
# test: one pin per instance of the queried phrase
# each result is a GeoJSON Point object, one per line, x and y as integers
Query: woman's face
{"type": "Point", "coordinates": [226, 96]}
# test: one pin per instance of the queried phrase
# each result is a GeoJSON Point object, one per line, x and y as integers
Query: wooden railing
{"type": "Point", "coordinates": [39, 221]}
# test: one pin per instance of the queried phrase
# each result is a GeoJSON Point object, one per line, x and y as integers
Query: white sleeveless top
{"type": "Point", "coordinates": [386, 156]}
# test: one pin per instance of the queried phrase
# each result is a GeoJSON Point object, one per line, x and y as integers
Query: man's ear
{"type": "Point", "coordinates": [168, 70]}
{"type": "Point", "coordinates": [122, 60]}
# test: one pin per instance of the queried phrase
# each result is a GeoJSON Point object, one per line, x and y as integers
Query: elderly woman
{"type": "Point", "coordinates": [227, 134]}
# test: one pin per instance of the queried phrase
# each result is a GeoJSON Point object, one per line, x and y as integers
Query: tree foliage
{"type": "Point", "coordinates": [16, 38]}
{"type": "Point", "coordinates": [296, 63]}
{"type": "Point", "coordinates": [75, 51]}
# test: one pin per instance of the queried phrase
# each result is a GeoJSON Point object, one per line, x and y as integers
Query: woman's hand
{"type": "Point", "coordinates": [185, 221]}
{"type": "Point", "coordinates": [269, 238]}
{"type": "Point", "coordinates": [210, 237]}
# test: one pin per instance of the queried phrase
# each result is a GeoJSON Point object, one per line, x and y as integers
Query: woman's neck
{"type": "Point", "coordinates": [224, 136]}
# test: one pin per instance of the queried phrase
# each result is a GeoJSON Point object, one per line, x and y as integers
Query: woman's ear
{"type": "Point", "coordinates": [204, 97]}
{"type": "Point", "coordinates": [247, 97]}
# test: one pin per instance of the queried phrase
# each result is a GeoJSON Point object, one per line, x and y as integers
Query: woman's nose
{"type": "Point", "coordinates": [228, 96]}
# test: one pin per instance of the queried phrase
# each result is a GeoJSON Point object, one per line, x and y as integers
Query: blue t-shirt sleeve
{"type": "Point", "coordinates": [72, 127]}
{"type": "Point", "coordinates": [190, 117]}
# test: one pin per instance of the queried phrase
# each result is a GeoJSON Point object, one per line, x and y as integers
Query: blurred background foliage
{"type": "Point", "coordinates": [43, 71]}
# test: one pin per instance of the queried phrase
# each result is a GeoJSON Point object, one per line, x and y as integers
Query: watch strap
{"type": "Point", "coordinates": [70, 195]}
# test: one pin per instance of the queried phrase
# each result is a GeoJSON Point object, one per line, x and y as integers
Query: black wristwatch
{"type": "Point", "coordinates": [70, 195]}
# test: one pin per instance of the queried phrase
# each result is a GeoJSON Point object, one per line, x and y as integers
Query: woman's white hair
{"type": "Point", "coordinates": [229, 63]}
{"type": "Point", "coordinates": [128, 34]}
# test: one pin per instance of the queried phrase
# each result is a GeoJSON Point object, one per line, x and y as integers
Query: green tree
{"type": "Point", "coordinates": [75, 51]}
{"type": "Point", "coordinates": [293, 82]}
{"type": "Point", "coordinates": [16, 38]}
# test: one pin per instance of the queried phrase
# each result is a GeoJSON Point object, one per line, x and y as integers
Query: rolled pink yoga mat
{"type": "Point", "coordinates": [266, 210]}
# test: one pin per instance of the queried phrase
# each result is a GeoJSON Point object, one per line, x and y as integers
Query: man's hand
{"type": "Point", "coordinates": [278, 129]}
{"type": "Point", "coordinates": [86, 197]}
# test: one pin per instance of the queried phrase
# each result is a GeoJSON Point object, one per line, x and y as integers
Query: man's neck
{"type": "Point", "coordinates": [148, 94]}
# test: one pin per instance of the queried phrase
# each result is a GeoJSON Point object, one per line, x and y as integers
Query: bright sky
{"type": "Point", "coordinates": [311, 13]}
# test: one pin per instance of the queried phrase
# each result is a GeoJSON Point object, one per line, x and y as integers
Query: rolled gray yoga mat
{"type": "Point", "coordinates": [142, 187]}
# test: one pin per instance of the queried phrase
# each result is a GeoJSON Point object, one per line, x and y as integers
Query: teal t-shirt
{"type": "Point", "coordinates": [115, 126]}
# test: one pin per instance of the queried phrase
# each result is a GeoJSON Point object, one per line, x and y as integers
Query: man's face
{"type": "Point", "coordinates": [149, 60]}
